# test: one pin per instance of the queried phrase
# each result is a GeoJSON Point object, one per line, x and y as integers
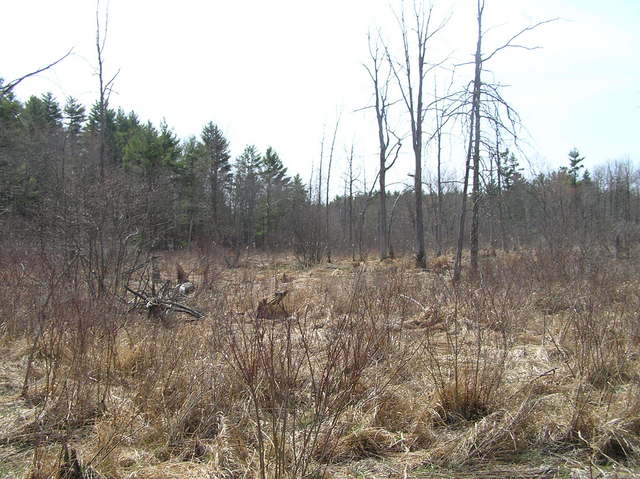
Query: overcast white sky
{"type": "Point", "coordinates": [274, 72]}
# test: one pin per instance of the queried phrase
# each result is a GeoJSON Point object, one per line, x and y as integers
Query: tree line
{"type": "Point", "coordinates": [187, 189]}
{"type": "Point", "coordinates": [179, 192]}
{"type": "Point", "coordinates": [95, 181]}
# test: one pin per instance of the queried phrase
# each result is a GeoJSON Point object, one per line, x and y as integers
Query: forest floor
{"type": "Point", "coordinates": [369, 370]}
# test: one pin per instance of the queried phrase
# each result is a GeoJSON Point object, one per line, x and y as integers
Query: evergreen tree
{"type": "Point", "coordinates": [273, 171]}
{"type": "Point", "coordinates": [35, 117]}
{"type": "Point", "coordinates": [151, 154]}
{"type": "Point", "coordinates": [297, 192]}
{"type": "Point", "coordinates": [53, 113]}
{"type": "Point", "coordinates": [170, 146]}
{"type": "Point", "coordinates": [93, 128]}
{"type": "Point", "coordinates": [75, 116]}
{"type": "Point", "coordinates": [575, 165]}
{"type": "Point", "coordinates": [42, 143]}
{"type": "Point", "coordinates": [509, 169]}
{"type": "Point", "coordinates": [246, 192]}
{"type": "Point", "coordinates": [216, 152]}
{"type": "Point", "coordinates": [274, 176]}
{"type": "Point", "coordinates": [125, 126]}
{"type": "Point", "coordinates": [73, 155]}
{"type": "Point", "coordinates": [191, 178]}
{"type": "Point", "coordinates": [13, 178]}
{"type": "Point", "coordinates": [297, 203]}
{"type": "Point", "coordinates": [10, 111]}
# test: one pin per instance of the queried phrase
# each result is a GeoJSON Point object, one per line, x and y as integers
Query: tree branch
{"type": "Point", "coordinates": [4, 90]}
{"type": "Point", "coordinates": [509, 43]}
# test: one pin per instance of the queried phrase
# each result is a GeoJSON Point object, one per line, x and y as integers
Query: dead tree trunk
{"type": "Point", "coordinates": [105, 86]}
{"type": "Point", "coordinates": [439, 180]}
{"type": "Point", "coordinates": [412, 90]}
{"type": "Point", "coordinates": [380, 83]}
{"type": "Point", "coordinates": [350, 205]}
{"type": "Point", "coordinates": [493, 96]}
{"type": "Point", "coordinates": [499, 184]}
{"type": "Point", "coordinates": [457, 267]}
{"type": "Point", "coordinates": [327, 232]}
{"type": "Point", "coordinates": [475, 106]}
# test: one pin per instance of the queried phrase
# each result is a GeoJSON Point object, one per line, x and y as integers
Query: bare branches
{"type": "Point", "coordinates": [105, 87]}
{"type": "Point", "coordinates": [381, 91]}
{"type": "Point", "coordinates": [385, 151]}
{"type": "Point", "coordinates": [101, 40]}
{"type": "Point", "coordinates": [162, 303]}
{"type": "Point", "coordinates": [411, 85]}
{"type": "Point", "coordinates": [100, 45]}
{"type": "Point", "coordinates": [395, 152]}
{"type": "Point", "coordinates": [510, 44]}
{"type": "Point", "coordinates": [6, 89]}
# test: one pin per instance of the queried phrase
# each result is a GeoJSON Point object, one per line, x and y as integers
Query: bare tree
{"type": "Point", "coordinates": [105, 86]}
{"type": "Point", "coordinates": [319, 200]}
{"type": "Point", "coordinates": [446, 108]}
{"type": "Point", "coordinates": [484, 93]}
{"type": "Point", "coordinates": [475, 106]}
{"type": "Point", "coordinates": [333, 144]}
{"type": "Point", "coordinates": [386, 149]}
{"type": "Point", "coordinates": [412, 91]}
{"type": "Point", "coordinates": [350, 181]}
{"type": "Point", "coordinates": [457, 267]}
{"type": "Point", "coordinates": [498, 156]}
{"type": "Point", "coordinates": [438, 134]}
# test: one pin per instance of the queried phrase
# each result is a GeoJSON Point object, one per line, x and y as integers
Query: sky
{"type": "Point", "coordinates": [280, 72]}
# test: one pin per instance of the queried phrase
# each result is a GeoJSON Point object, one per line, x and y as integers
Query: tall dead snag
{"type": "Point", "coordinates": [380, 83]}
{"type": "Point", "coordinates": [499, 155]}
{"type": "Point", "coordinates": [350, 181]}
{"type": "Point", "coordinates": [333, 144]}
{"type": "Point", "coordinates": [475, 107]}
{"type": "Point", "coordinates": [105, 86]}
{"type": "Point", "coordinates": [446, 108]}
{"type": "Point", "coordinates": [438, 137]}
{"type": "Point", "coordinates": [483, 95]}
{"type": "Point", "coordinates": [411, 86]}
{"type": "Point", "coordinates": [319, 192]}
{"type": "Point", "coordinates": [457, 267]}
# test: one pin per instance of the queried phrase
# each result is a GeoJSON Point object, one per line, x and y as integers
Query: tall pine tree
{"type": "Point", "coordinates": [216, 152]}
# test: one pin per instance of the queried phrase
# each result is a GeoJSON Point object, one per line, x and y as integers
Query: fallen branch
{"type": "Point", "coordinates": [160, 305]}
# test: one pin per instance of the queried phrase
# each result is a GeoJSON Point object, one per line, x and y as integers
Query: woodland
{"type": "Point", "coordinates": [169, 311]}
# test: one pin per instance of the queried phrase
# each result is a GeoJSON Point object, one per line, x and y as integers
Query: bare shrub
{"type": "Point", "coordinates": [300, 382]}
{"type": "Point", "coordinates": [468, 368]}
{"type": "Point", "coordinates": [600, 345]}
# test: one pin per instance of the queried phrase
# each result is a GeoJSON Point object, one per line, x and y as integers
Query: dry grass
{"type": "Point", "coordinates": [377, 370]}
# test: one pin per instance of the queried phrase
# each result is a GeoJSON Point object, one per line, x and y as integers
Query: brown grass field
{"type": "Point", "coordinates": [377, 370]}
